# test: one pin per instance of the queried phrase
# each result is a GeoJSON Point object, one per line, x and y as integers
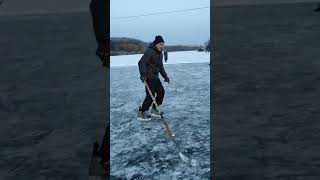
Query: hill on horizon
{"type": "Point", "coordinates": [126, 46]}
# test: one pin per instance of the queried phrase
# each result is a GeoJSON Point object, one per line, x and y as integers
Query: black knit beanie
{"type": "Point", "coordinates": [158, 39]}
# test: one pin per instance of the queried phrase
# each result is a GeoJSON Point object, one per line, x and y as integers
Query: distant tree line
{"type": "Point", "coordinates": [181, 48]}
{"type": "Point", "coordinates": [126, 46]}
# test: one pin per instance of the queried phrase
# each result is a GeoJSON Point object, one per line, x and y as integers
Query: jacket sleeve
{"type": "Point", "coordinates": [162, 71]}
{"type": "Point", "coordinates": [143, 63]}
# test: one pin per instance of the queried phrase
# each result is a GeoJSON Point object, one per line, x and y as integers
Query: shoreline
{"type": "Point", "coordinates": [202, 62]}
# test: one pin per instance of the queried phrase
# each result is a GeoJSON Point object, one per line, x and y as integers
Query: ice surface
{"type": "Point", "coordinates": [143, 150]}
{"type": "Point", "coordinates": [183, 157]}
{"type": "Point", "coordinates": [194, 162]}
{"type": "Point", "coordinates": [173, 58]}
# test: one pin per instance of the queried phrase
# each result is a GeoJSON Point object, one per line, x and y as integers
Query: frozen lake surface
{"type": "Point", "coordinates": [142, 150]}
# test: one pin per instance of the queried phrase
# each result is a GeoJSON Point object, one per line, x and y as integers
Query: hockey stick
{"type": "Point", "coordinates": [171, 135]}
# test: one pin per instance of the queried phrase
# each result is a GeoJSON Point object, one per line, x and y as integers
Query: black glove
{"type": "Point", "coordinates": [103, 53]}
{"type": "Point", "coordinates": [103, 57]}
{"type": "Point", "coordinates": [166, 79]}
{"type": "Point", "coordinates": [142, 79]}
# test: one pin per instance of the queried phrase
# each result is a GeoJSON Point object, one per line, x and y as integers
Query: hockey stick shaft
{"type": "Point", "coordinates": [158, 109]}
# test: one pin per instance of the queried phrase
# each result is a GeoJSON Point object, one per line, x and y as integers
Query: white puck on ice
{"type": "Point", "coordinates": [194, 162]}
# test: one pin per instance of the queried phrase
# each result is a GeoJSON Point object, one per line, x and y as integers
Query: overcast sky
{"type": "Point", "coordinates": [24, 6]}
{"type": "Point", "coordinates": [191, 27]}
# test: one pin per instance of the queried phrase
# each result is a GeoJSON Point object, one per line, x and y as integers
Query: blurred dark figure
{"type": "Point", "coordinates": [317, 9]}
{"type": "Point", "coordinates": [100, 160]}
{"type": "Point", "coordinates": [100, 18]}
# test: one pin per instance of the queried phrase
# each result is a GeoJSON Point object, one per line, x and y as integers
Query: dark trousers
{"type": "Point", "coordinates": [156, 87]}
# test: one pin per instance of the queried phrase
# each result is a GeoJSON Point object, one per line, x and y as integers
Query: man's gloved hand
{"type": "Point", "coordinates": [103, 53]}
{"type": "Point", "coordinates": [103, 57]}
{"type": "Point", "coordinates": [166, 79]}
{"type": "Point", "coordinates": [142, 79]}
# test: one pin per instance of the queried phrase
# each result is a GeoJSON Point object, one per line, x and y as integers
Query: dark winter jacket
{"type": "Point", "coordinates": [151, 63]}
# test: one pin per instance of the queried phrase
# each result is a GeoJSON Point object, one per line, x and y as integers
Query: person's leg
{"type": "Point", "coordinates": [148, 100]}
{"type": "Point", "coordinates": [160, 92]}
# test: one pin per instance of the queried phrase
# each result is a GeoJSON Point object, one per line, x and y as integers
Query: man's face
{"type": "Point", "coordinates": [160, 46]}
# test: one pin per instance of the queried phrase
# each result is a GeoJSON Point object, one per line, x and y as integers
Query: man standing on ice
{"type": "Point", "coordinates": [150, 65]}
